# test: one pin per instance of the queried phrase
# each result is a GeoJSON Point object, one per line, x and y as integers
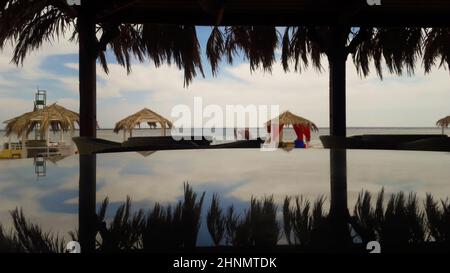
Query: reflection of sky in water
{"type": "Point", "coordinates": [236, 174]}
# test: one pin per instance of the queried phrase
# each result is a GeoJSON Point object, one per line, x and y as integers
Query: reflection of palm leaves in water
{"type": "Point", "coordinates": [215, 221]}
{"type": "Point", "coordinates": [396, 223]}
{"type": "Point", "coordinates": [29, 237]}
{"type": "Point", "coordinates": [438, 220]}
{"type": "Point", "coordinates": [400, 223]}
{"type": "Point", "coordinates": [300, 221]}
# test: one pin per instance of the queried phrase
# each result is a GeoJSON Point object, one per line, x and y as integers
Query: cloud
{"type": "Point", "coordinates": [395, 101]}
{"type": "Point", "coordinates": [9, 107]}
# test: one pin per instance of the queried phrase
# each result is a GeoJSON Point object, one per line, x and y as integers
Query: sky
{"type": "Point", "coordinates": [406, 101]}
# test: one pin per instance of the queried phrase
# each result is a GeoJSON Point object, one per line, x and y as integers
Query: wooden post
{"type": "Point", "coordinates": [87, 219]}
{"type": "Point", "coordinates": [47, 137]}
{"type": "Point", "coordinates": [24, 145]}
{"type": "Point", "coordinates": [87, 71]}
{"type": "Point", "coordinates": [338, 201]}
{"type": "Point", "coordinates": [88, 124]}
{"type": "Point", "coordinates": [337, 56]}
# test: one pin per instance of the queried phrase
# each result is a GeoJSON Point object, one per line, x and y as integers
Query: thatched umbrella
{"type": "Point", "coordinates": [54, 117]}
{"type": "Point", "coordinates": [145, 115]}
{"type": "Point", "coordinates": [443, 123]}
{"type": "Point", "coordinates": [287, 118]}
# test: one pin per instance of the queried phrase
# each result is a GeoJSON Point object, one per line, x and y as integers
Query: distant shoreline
{"type": "Point", "coordinates": [320, 128]}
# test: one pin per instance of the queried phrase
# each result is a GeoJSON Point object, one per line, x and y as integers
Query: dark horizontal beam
{"type": "Point", "coordinates": [424, 17]}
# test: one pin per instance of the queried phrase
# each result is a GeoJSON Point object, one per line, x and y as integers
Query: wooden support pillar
{"type": "Point", "coordinates": [47, 137]}
{"type": "Point", "coordinates": [24, 145]}
{"type": "Point", "coordinates": [87, 218]}
{"type": "Point", "coordinates": [337, 56]}
{"type": "Point", "coordinates": [338, 198]}
{"type": "Point", "coordinates": [87, 70]}
{"type": "Point", "coordinates": [88, 125]}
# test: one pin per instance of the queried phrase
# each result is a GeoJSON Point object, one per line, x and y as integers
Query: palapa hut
{"type": "Point", "coordinates": [53, 117]}
{"type": "Point", "coordinates": [443, 123]}
{"type": "Point", "coordinates": [144, 116]}
{"type": "Point", "coordinates": [301, 126]}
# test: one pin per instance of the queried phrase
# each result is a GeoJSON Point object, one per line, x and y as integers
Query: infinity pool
{"type": "Point", "coordinates": [48, 194]}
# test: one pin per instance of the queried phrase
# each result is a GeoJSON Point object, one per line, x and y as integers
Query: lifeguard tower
{"type": "Point", "coordinates": [40, 166]}
{"type": "Point", "coordinates": [40, 102]}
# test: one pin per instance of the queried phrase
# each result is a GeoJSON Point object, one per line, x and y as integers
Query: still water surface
{"type": "Point", "coordinates": [237, 175]}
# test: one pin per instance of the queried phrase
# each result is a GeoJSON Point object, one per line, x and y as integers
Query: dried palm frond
{"type": "Point", "coordinates": [215, 48]}
{"type": "Point", "coordinates": [29, 23]}
{"type": "Point", "coordinates": [237, 41]}
{"type": "Point", "coordinates": [174, 43]}
{"type": "Point", "coordinates": [127, 44]}
{"type": "Point", "coordinates": [398, 47]}
{"type": "Point", "coordinates": [436, 45]}
{"type": "Point", "coordinates": [257, 43]}
{"type": "Point", "coordinates": [46, 27]}
{"type": "Point", "coordinates": [302, 45]}
{"type": "Point", "coordinates": [444, 122]}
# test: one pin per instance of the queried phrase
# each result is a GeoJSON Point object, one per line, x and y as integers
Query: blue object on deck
{"type": "Point", "coordinates": [299, 144]}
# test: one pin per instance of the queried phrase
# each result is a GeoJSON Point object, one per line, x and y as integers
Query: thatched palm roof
{"type": "Point", "coordinates": [302, 46]}
{"type": "Point", "coordinates": [145, 115]}
{"type": "Point", "coordinates": [287, 118]}
{"type": "Point", "coordinates": [54, 117]}
{"type": "Point", "coordinates": [445, 122]}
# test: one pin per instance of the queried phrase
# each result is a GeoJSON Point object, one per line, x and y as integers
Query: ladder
{"type": "Point", "coordinates": [40, 102]}
{"type": "Point", "coordinates": [40, 166]}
